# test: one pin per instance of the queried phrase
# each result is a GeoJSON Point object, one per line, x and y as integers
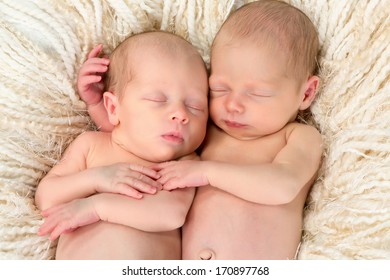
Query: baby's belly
{"type": "Point", "coordinates": [104, 240]}
{"type": "Point", "coordinates": [232, 228]}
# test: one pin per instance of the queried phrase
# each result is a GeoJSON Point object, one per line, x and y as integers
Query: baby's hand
{"type": "Point", "coordinates": [67, 217]}
{"type": "Point", "coordinates": [90, 80]}
{"type": "Point", "coordinates": [182, 174]}
{"type": "Point", "coordinates": [128, 179]}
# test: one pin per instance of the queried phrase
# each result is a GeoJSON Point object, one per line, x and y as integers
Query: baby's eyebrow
{"type": "Point", "coordinates": [217, 84]}
{"type": "Point", "coordinates": [153, 94]}
{"type": "Point", "coordinates": [215, 79]}
{"type": "Point", "coordinates": [198, 101]}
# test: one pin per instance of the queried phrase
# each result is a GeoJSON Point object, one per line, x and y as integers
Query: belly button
{"type": "Point", "coordinates": [207, 254]}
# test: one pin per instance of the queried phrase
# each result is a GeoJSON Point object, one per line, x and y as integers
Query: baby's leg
{"type": "Point", "coordinates": [110, 241]}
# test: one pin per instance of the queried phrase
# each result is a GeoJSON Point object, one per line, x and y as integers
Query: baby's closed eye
{"type": "Point", "coordinates": [155, 97]}
{"type": "Point", "coordinates": [216, 92]}
{"type": "Point", "coordinates": [196, 106]}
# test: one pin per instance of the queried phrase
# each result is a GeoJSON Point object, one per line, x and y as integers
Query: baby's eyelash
{"type": "Point", "coordinates": [218, 91]}
{"type": "Point", "coordinates": [195, 108]}
{"type": "Point", "coordinates": [260, 95]}
{"type": "Point", "coordinates": [156, 100]}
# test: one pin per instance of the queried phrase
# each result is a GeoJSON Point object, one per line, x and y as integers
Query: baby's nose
{"type": "Point", "coordinates": [180, 115]}
{"type": "Point", "coordinates": [233, 104]}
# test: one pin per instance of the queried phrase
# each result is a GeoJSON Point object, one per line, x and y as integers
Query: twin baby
{"type": "Point", "coordinates": [139, 190]}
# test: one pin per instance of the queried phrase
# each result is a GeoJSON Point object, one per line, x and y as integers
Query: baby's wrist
{"type": "Point", "coordinates": [95, 173]}
{"type": "Point", "coordinates": [98, 204]}
{"type": "Point", "coordinates": [94, 104]}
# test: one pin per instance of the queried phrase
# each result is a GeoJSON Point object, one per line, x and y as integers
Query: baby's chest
{"type": "Point", "coordinates": [103, 156]}
{"type": "Point", "coordinates": [228, 149]}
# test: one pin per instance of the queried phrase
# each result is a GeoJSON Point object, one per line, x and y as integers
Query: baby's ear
{"type": "Point", "coordinates": [309, 93]}
{"type": "Point", "coordinates": [111, 104]}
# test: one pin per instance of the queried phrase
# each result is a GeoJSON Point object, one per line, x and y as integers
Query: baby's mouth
{"type": "Point", "coordinates": [173, 137]}
{"type": "Point", "coordinates": [234, 124]}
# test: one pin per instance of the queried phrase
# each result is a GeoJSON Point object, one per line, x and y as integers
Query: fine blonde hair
{"type": "Point", "coordinates": [121, 69]}
{"type": "Point", "coordinates": [276, 25]}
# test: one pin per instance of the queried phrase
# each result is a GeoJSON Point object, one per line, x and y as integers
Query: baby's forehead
{"type": "Point", "coordinates": [145, 54]}
{"type": "Point", "coordinates": [161, 42]}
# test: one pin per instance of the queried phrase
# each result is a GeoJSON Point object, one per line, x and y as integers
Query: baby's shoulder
{"type": "Point", "coordinates": [90, 138]}
{"type": "Point", "coordinates": [303, 133]}
{"type": "Point", "coordinates": [300, 128]}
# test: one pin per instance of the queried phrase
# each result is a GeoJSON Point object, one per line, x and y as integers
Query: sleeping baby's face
{"type": "Point", "coordinates": [250, 94]}
{"type": "Point", "coordinates": [163, 110]}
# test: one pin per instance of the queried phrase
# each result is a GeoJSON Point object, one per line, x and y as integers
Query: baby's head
{"type": "Point", "coordinates": [278, 28]}
{"type": "Point", "coordinates": [158, 44]}
{"type": "Point", "coordinates": [263, 61]}
{"type": "Point", "coordinates": [156, 96]}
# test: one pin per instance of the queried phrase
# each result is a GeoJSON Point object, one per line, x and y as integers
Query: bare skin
{"type": "Point", "coordinates": [254, 209]}
{"type": "Point", "coordinates": [114, 241]}
{"type": "Point", "coordinates": [102, 198]}
{"type": "Point", "coordinates": [223, 226]}
{"type": "Point", "coordinates": [257, 162]}
{"type": "Point", "coordinates": [106, 240]}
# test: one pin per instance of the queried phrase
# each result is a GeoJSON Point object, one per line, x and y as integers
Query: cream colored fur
{"type": "Point", "coordinates": [43, 46]}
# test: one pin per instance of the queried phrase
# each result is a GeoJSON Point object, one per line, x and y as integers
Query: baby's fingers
{"type": "Point", "coordinates": [47, 227]}
{"type": "Point", "coordinates": [129, 191]}
{"type": "Point", "coordinates": [146, 183]}
{"type": "Point", "coordinates": [54, 227]}
{"type": "Point", "coordinates": [86, 81]}
{"type": "Point", "coordinates": [145, 170]}
{"type": "Point", "coordinates": [94, 65]}
{"type": "Point", "coordinates": [142, 184]}
{"type": "Point", "coordinates": [165, 177]}
{"type": "Point", "coordinates": [172, 184]}
{"type": "Point", "coordinates": [163, 180]}
{"type": "Point", "coordinates": [47, 212]}
{"type": "Point", "coordinates": [59, 229]}
{"type": "Point", "coordinates": [95, 51]}
{"type": "Point", "coordinates": [163, 165]}
{"type": "Point", "coordinates": [43, 230]}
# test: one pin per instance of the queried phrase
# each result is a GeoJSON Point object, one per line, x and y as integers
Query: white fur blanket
{"type": "Point", "coordinates": [43, 44]}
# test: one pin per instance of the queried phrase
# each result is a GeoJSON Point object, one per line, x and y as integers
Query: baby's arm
{"type": "Point", "coordinates": [164, 211]}
{"type": "Point", "coordinates": [70, 178]}
{"type": "Point", "coordinates": [280, 181]}
{"type": "Point", "coordinates": [273, 183]}
{"type": "Point", "coordinates": [90, 85]}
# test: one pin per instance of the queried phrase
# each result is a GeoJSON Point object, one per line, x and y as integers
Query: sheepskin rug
{"type": "Point", "coordinates": [44, 43]}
